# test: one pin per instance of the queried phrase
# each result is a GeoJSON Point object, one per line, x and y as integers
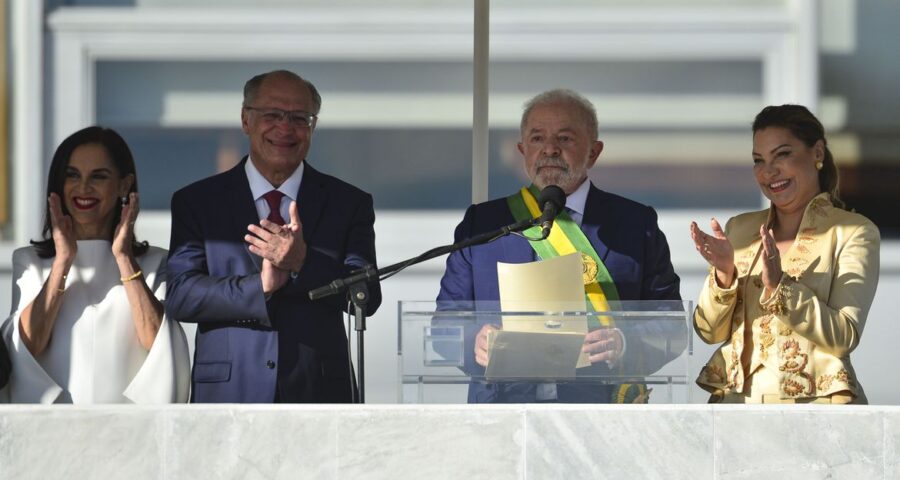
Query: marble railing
{"type": "Point", "coordinates": [442, 441]}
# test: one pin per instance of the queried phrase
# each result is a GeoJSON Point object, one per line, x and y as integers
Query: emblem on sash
{"type": "Point", "coordinates": [589, 269]}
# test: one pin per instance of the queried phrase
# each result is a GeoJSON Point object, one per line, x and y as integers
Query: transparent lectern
{"type": "Point", "coordinates": [650, 339]}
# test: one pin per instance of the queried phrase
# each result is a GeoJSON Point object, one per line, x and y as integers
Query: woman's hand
{"type": "Point", "coordinates": [771, 261]}
{"type": "Point", "coordinates": [38, 317]}
{"type": "Point", "coordinates": [716, 250]}
{"type": "Point", "coordinates": [63, 231]}
{"type": "Point", "coordinates": [123, 236]}
{"type": "Point", "coordinates": [146, 309]}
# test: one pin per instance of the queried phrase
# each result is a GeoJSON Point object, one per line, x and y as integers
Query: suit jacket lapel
{"type": "Point", "coordinates": [592, 224]}
{"type": "Point", "coordinates": [311, 199]}
{"type": "Point", "coordinates": [240, 200]}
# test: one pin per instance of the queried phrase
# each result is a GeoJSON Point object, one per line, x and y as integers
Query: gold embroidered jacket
{"type": "Point", "coordinates": [804, 332]}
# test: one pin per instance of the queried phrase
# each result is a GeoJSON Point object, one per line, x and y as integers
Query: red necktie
{"type": "Point", "coordinates": [273, 198]}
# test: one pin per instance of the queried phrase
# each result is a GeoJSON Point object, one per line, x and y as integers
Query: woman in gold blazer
{"type": "Point", "coordinates": [789, 288]}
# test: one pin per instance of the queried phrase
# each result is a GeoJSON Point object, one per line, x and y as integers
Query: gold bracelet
{"type": "Point", "coordinates": [63, 290]}
{"type": "Point", "coordinates": [132, 276]}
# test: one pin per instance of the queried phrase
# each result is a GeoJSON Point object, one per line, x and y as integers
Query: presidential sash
{"type": "Point", "coordinates": [565, 238]}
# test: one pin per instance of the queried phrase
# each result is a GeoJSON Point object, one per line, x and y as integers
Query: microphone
{"type": "Point", "coordinates": [552, 199]}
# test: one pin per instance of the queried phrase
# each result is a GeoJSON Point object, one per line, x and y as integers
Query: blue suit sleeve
{"type": "Point", "coordinates": [654, 342]}
{"type": "Point", "coordinates": [458, 293]}
{"type": "Point", "coordinates": [192, 295]}
{"type": "Point", "coordinates": [457, 284]}
{"type": "Point", "coordinates": [660, 281]}
{"type": "Point", "coordinates": [5, 365]}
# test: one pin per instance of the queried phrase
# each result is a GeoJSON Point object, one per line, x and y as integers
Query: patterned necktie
{"type": "Point", "coordinates": [575, 216]}
{"type": "Point", "coordinates": [273, 198]}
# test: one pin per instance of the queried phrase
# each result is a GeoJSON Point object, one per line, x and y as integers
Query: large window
{"type": "Point", "coordinates": [675, 132]}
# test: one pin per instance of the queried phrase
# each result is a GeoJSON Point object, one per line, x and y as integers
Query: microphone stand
{"type": "Point", "coordinates": [356, 282]}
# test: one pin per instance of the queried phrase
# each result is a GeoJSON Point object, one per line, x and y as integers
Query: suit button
{"type": "Point", "coordinates": [270, 364]}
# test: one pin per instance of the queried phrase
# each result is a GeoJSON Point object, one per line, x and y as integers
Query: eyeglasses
{"type": "Point", "coordinates": [296, 118]}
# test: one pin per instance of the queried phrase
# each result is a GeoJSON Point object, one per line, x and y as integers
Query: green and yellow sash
{"type": "Point", "coordinates": [567, 237]}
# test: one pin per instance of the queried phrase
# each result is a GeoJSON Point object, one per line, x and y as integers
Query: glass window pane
{"type": "Point", "coordinates": [400, 130]}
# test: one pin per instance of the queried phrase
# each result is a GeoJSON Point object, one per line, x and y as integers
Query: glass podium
{"type": "Point", "coordinates": [642, 352]}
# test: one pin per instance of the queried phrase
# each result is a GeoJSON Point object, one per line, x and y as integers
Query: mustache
{"type": "Point", "coordinates": [552, 162]}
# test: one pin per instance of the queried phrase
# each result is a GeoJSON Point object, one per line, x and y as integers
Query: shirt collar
{"type": "Point", "coordinates": [259, 186]}
{"type": "Point", "coordinates": [578, 198]}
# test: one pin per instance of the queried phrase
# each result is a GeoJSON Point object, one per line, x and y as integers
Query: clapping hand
{"type": "Point", "coordinates": [63, 230]}
{"type": "Point", "coordinates": [771, 260]}
{"type": "Point", "coordinates": [272, 277]}
{"type": "Point", "coordinates": [716, 250]}
{"type": "Point", "coordinates": [123, 236]}
{"type": "Point", "coordinates": [282, 246]}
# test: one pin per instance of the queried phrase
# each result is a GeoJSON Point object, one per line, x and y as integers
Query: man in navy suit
{"type": "Point", "coordinates": [559, 145]}
{"type": "Point", "coordinates": [247, 246]}
{"type": "Point", "coordinates": [5, 366]}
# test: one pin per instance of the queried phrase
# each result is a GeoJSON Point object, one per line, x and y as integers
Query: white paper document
{"type": "Point", "coordinates": [539, 346]}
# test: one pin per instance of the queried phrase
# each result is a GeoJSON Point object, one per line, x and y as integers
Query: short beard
{"type": "Point", "coordinates": [566, 179]}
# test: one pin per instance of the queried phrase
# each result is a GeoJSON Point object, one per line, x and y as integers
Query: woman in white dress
{"type": "Point", "coordinates": [87, 322]}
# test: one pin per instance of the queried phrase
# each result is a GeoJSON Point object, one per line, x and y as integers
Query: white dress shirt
{"type": "Point", "coordinates": [259, 186]}
{"type": "Point", "coordinates": [577, 201]}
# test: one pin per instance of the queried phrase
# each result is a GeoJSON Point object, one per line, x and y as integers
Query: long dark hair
{"type": "Point", "coordinates": [808, 129]}
{"type": "Point", "coordinates": [121, 157]}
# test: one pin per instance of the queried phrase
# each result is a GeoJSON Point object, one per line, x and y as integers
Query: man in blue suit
{"type": "Point", "coordinates": [5, 366]}
{"type": "Point", "coordinates": [559, 145]}
{"type": "Point", "coordinates": [247, 246]}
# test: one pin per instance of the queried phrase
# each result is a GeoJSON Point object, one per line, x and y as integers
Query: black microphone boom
{"type": "Point", "coordinates": [552, 199]}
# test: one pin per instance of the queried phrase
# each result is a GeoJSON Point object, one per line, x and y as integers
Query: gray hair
{"type": "Point", "coordinates": [251, 88]}
{"type": "Point", "coordinates": [564, 96]}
